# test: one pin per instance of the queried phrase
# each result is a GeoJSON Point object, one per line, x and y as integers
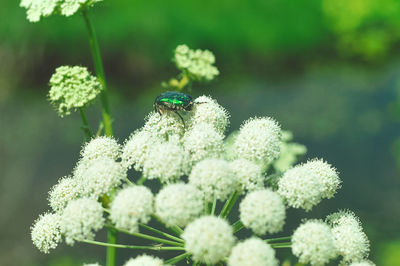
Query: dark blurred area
{"type": "Point", "coordinates": [327, 70]}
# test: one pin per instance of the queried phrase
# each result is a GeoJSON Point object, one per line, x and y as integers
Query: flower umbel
{"type": "Point", "coordinates": [72, 88]}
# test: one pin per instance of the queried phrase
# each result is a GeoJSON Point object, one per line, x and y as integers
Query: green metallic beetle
{"type": "Point", "coordinates": [173, 101]}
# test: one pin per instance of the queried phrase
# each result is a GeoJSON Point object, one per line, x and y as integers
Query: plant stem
{"type": "Point", "coordinates": [229, 204]}
{"type": "Point", "coordinates": [130, 246]}
{"type": "Point", "coordinates": [174, 229]}
{"type": "Point", "coordinates": [152, 238]}
{"type": "Point", "coordinates": [160, 232]}
{"type": "Point", "coordinates": [98, 67]}
{"type": "Point", "coordinates": [176, 259]}
{"type": "Point", "coordinates": [141, 180]}
{"type": "Point", "coordinates": [278, 239]}
{"type": "Point", "coordinates": [128, 181]}
{"type": "Point", "coordinates": [86, 127]}
{"type": "Point", "coordinates": [111, 250]}
{"type": "Point", "coordinates": [281, 245]}
{"type": "Point", "coordinates": [237, 226]}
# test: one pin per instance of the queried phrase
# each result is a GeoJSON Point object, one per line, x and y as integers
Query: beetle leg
{"type": "Point", "coordinates": [183, 122]}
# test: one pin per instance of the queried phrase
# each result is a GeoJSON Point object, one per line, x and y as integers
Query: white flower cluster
{"type": "Point", "coordinates": [199, 169]}
{"type": "Point", "coordinates": [209, 239]}
{"type": "Point", "coordinates": [131, 206]}
{"type": "Point", "coordinates": [263, 211]}
{"type": "Point", "coordinates": [72, 87]}
{"type": "Point", "coordinates": [305, 185]}
{"type": "Point", "coordinates": [37, 9]}
{"type": "Point", "coordinates": [350, 240]}
{"type": "Point", "coordinates": [74, 200]}
{"type": "Point", "coordinates": [313, 243]}
{"type": "Point", "coordinates": [252, 251]}
{"type": "Point", "coordinates": [196, 64]}
{"type": "Point", "coordinates": [144, 260]}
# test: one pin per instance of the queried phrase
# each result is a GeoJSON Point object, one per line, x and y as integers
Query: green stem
{"type": "Point", "coordinates": [86, 127]}
{"type": "Point", "coordinates": [128, 181]}
{"type": "Point", "coordinates": [176, 259]}
{"type": "Point", "coordinates": [152, 238]}
{"type": "Point", "coordinates": [160, 232]}
{"type": "Point", "coordinates": [174, 229]}
{"type": "Point", "coordinates": [278, 239]}
{"type": "Point", "coordinates": [141, 180]}
{"type": "Point", "coordinates": [130, 246]}
{"type": "Point", "coordinates": [111, 250]}
{"type": "Point", "coordinates": [237, 226]}
{"type": "Point", "coordinates": [98, 67]}
{"type": "Point", "coordinates": [229, 205]}
{"type": "Point", "coordinates": [281, 245]}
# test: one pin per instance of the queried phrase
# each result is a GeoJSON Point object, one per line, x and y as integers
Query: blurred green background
{"type": "Point", "coordinates": [328, 70]}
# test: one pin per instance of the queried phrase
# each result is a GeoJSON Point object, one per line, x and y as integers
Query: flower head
{"type": "Point", "coordinates": [80, 219]}
{"type": "Point", "coordinates": [101, 147]}
{"type": "Point", "coordinates": [350, 240]}
{"type": "Point", "coordinates": [263, 211]}
{"type": "Point", "coordinates": [207, 110]}
{"type": "Point", "coordinates": [209, 239]}
{"type": "Point", "coordinates": [248, 174]}
{"type": "Point", "coordinates": [71, 88]}
{"type": "Point", "coordinates": [179, 204]}
{"type": "Point", "coordinates": [313, 243]}
{"type": "Point", "coordinates": [203, 141]}
{"type": "Point", "coordinates": [135, 149]}
{"type": "Point", "coordinates": [304, 186]}
{"type": "Point", "coordinates": [214, 178]}
{"type": "Point", "coordinates": [144, 260]}
{"type": "Point", "coordinates": [196, 64]}
{"type": "Point", "coordinates": [37, 9]}
{"type": "Point", "coordinates": [131, 206]}
{"type": "Point", "coordinates": [259, 139]}
{"type": "Point", "coordinates": [45, 232]}
{"type": "Point", "coordinates": [165, 126]}
{"type": "Point", "coordinates": [66, 190]}
{"type": "Point", "coordinates": [91, 264]}
{"type": "Point", "coordinates": [166, 161]}
{"type": "Point", "coordinates": [99, 176]}
{"type": "Point", "coordinates": [252, 251]}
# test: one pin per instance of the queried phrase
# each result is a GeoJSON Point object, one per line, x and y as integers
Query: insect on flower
{"type": "Point", "coordinates": [173, 101]}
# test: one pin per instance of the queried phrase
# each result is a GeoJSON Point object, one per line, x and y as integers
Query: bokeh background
{"type": "Point", "coordinates": [328, 70]}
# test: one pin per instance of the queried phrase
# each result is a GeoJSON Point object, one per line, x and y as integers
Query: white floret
{"type": "Point", "coordinates": [166, 161]}
{"type": "Point", "coordinates": [101, 147]}
{"type": "Point", "coordinates": [251, 252]}
{"type": "Point", "coordinates": [259, 139]}
{"type": "Point", "coordinates": [45, 232]}
{"type": "Point", "coordinates": [179, 204]}
{"type": "Point", "coordinates": [209, 239]}
{"type": "Point", "coordinates": [66, 190]}
{"type": "Point", "coordinates": [207, 110]}
{"type": "Point", "coordinates": [248, 174]}
{"type": "Point", "coordinates": [350, 240]}
{"type": "Point", "coordinates": [100, 176]}
{"type": "Point", "coordinates": [304, 186]}
{"type": "Point", "coordinates": [144, 260]}
{"type": "Point", "coordinates": [135, 149]}
{"type": "Point", "coordinates": [80, 219]}
{"type": "Point", "coordinates": [165, 126]}
{"type": "Point", "coordinates": [203, 141]}
{"type": "Point", "coordinates": [313, 243]}
{"type": "Point", "coordinates": [214, 178]}
{"type": "Point", "coordinates": [131, 206]}
{"type": "Point", "coordinates": [263, 211]}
